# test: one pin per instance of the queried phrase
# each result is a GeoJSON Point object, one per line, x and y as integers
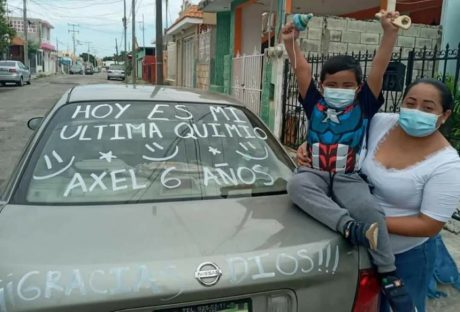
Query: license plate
{"type": "Point", "coordinates": [227, 306]}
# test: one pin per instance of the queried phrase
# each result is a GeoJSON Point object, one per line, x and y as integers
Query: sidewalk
{"type": "Point", "coordinates": [42, 75]}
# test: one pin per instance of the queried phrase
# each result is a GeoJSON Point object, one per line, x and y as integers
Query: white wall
{"type": "Point", "coordinates": [251, 28]}
{"type": "Point", "coordinates": [450, 20]}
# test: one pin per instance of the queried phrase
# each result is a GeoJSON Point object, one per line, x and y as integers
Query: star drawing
{"type": "Point", "coordinates": [214, 151]}
{"type": "Point", "coordinates": [107, 156]}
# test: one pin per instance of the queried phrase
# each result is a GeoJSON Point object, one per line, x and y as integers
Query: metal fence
{"type": "Point", "coordinates": [247, 80]}
{"type": "Point", "coordinates": [405, 67]}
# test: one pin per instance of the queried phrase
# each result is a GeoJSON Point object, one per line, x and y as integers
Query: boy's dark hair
{"type": "Point", "coordinates": [339, 63]}
{"type": "Point", "coordinates": [446, 96]}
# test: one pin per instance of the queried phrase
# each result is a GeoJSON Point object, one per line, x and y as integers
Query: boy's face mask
{"type": "Point", "coordinates": [339, 98]}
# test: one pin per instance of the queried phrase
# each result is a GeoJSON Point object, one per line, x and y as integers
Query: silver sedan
{"type": "Point", "coordinates": [14, 72]}
{"type": "Point", "coordinates": [165, 199]}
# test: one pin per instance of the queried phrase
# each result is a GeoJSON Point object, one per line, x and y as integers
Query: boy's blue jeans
{"type": "Point", "coordinates": [415, 267]}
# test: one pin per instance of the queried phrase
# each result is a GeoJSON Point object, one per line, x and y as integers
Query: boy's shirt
{"type": "Point", "coordinates": [337, 137]}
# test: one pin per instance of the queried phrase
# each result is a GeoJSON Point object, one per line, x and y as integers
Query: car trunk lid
{"type": "Point", "coordinates": [127, 256]}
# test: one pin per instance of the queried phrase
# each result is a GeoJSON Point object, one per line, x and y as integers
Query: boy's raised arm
{"type": "Point", "coordinates": [383, 56]}
{"type": "Point", "coordinates": [301, 67]}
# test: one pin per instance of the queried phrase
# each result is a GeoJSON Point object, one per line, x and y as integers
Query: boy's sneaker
{"type": "Point", "coordinates": [396, 294]}
{"type": "Point", "coordinates": [363, 234]}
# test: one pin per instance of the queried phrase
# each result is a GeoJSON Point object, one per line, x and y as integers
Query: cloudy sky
{"type": "Point", "coordinates": [100, 21]}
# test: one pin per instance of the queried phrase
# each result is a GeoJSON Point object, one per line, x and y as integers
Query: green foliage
{"type": "Point", "coordinates": [6, 32]}
{"type": "Point", "coordinates": [92, 59]}
{"type": "Point", "coordinates": [452, 128]}
{"type": "Point", "coordinates": [32, 47]}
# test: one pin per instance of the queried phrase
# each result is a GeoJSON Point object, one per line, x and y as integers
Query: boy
{"type": "Point", "coordinates": [332, 191]}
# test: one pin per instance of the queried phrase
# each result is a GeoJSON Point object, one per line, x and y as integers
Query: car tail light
{"type": "Point", "coordinates": [12, 70]}
{"type": "Point", "coordinates": [368, 292]}
{"type": "Point", "coordinates": [279, 303]}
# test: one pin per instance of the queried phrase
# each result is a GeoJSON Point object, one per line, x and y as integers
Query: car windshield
{"type": "Point", "coordinates": [76, 66]}
{"type": "Point", "coordinates": [116, 67]}
{"type": "Point", "coordinates": [7, 64]}
{"type": "Point", "coordinates": [137, 151]}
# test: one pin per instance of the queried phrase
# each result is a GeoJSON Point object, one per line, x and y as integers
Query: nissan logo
{"type": "Point", "coordinates": [208, 274]}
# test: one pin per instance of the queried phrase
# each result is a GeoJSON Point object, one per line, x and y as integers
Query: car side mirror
{"type": "Point", "coordinates": [34, 123]}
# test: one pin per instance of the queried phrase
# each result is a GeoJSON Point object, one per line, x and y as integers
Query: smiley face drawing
{"type": "Point", "coordinates": [56, 164]}
{"type": "Point", "coordinates": [158, 146]}
{"type": "Point", "coordinates": [249, 148]}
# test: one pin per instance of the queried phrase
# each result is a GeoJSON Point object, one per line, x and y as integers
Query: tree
{"type": "Point", "coordinates": [7, 33]}
{"type": "Point", "coordinates": [92, 59]}
{"type": "Point", "coordinates": [107, 58]}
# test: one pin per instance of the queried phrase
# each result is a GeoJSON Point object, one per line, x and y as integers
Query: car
{"type": "Point", "coordinates": [89, 70]}
{"type": "Point", "coordinates": [76, 69]}
{"type": "Point", "coordinates": [14, 72]}
{"type": "Point", "coordinates": [155, 198]}
{"type": "Point", "coordinates": [116, 71]}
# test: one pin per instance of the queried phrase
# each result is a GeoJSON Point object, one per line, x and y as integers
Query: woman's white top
{"type": "Point", "coordinates": [431, 186]}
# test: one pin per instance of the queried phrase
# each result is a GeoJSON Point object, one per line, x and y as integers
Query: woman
{"type": "Point", "coordinates": [415, 176]}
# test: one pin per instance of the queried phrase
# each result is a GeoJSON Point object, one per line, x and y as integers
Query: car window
{"type": "Point", "coordinates": [116, 67]}
{"type": "Point", "coordinates": [135, 152]}
{"type": "Point", "coordinates": [7, 64]}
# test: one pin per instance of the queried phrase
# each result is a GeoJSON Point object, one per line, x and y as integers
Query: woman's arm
{"type": "Point", "coordinates": [416, 226]}
{"type": "Point", "coordinates": [441, 196]}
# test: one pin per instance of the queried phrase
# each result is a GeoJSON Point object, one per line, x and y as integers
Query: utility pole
{"type": "Point", "coordinates": [143, 31]}
{"type": "Point", "coordinates": [87, 54]}
{"type": "Point", "coordinates": [116, 51]}
{"type": "Point", "coordinates": [73, 31]}
{"type": "Point", "coordinates": [134, 71]}
{"type": "Point", "coordinates": [57, 58]}
{"type": "Point", "coordinates": [159, 41]}
{"type": "Point", "coordinates": [26, 28]}
{"type": "Point", "coordinates": [125, 57]}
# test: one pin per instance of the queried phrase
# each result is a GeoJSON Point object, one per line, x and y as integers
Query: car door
{"type": "Point", "coordinates": [23, 71]}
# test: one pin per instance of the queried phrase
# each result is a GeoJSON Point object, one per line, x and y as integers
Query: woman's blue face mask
{"type": "Point", "coordinates": [417, 123]}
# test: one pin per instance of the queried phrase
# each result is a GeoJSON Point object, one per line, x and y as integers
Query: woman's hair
{"type": "Point", "coordinates": [447, 100]}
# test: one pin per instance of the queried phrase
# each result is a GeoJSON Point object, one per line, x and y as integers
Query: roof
{"type": "Point", "coordinates": [192, 15]}
{"type": "Point", "coordinates": [120, 92]}
{"type": "Point", "coordinates": [17, 41]}
{"type": "Point", "coordinates": [192, 11]}
{"type": "Point", "coordinates": [47, 46]}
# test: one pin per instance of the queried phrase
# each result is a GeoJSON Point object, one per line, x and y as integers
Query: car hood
{"type": "Point", "coordinates": [145, 254]}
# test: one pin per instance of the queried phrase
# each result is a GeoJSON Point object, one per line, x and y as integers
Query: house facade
{"type": "Point", "coordinates": [189, 52]}
{"type": "Point", "coordinates": [248, 49]}
{"type": "Point", "coordinates": [42, 56]}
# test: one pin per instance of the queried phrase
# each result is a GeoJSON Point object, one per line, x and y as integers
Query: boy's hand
{"type": "Point", "coordinates": [302, 158]}
{"type": "Point", "coordinates": [387, 21]}
{"type": "Point", "coordinates": [289, 32]}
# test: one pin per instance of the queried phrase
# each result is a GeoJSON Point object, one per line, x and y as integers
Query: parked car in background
{"type": "Point", "coordinates": [89, 70]}
{"type": "Point", "coordinates": [154, 198]}
{"type": "Point", "coordinates": [14, 72]}
{"type": "Point", "coordinates": [116, 71]}
{"type": "Point", "coordinates": [76, 69]}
